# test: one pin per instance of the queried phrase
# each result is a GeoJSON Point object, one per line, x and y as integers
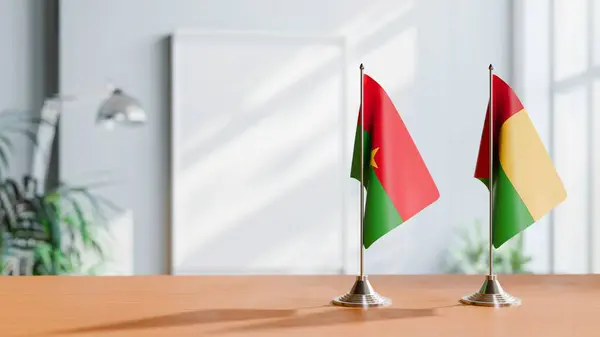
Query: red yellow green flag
{"type": "Point", "coordinates": [396, 180]}
{"type": "Point", "coordinates": [526, 184]}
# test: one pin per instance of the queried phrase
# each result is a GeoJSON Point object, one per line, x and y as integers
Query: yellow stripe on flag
{"type": "Point", "coordinates": [528, 166]}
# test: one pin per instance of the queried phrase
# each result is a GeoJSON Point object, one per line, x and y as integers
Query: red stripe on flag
{"type": "Point", "coordinates": [401, 169]}
{"type": "Point", "coordinates": [506, 104]}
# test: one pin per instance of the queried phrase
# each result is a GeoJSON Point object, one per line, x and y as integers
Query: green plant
{"type": "Point", "coordinates": [57, 229]}
{"type": "Point", "coordinates": [473, 255]}
{"type": "Point", "coordinates": [80, 229]}
{"type": "Point", "coordinates": [66, 224]}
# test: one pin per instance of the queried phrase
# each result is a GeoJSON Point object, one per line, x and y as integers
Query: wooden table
{"type": "Point", "coordinates": [292, 306]}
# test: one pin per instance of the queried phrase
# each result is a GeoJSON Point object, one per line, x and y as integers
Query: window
{"type": "Point", "coordinates": [557, 74]}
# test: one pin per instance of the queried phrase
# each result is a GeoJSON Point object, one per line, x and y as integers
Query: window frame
{"type": "Point", "coordinates": [534, 83]}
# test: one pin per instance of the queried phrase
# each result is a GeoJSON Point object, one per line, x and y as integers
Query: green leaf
{"type": "Point", "coordinates": [24, 132]}
{"type": "Point", "coordinates": [49, 214]}
{"type": "Point", "coordinates": [4, 157]}
{"type": "Point", "coordinates": [66, 188]}
{"type": "Point", "coordinates": [62, 263]}
{"type": "Point", "coordinates": [4, 140]}
{"type": "Point", "coordinates": [44, 253]}
{"type": "Point", "coordinates": [95, 245]}
{"type": "Point", "coordinates": [72, 232]}
{"type": "Point", "coordinates": [74, 258]}
{"type": "Point", "coordinates": [96, 202]}
{"type": "Point", "coordinates": [73, 228]}
{"type": "Point", "coordinates": [6, 149]}
{"type": "Point", "coordinates": [83, 224]}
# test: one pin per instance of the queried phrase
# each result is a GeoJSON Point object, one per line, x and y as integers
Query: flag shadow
{"type": "Point", "coordinates": [334, 316]}
{"type": "Point", "coordinates": [186, 318]}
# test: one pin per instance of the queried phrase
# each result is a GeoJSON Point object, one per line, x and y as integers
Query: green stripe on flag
{"type": "Point", "coordinates": [355, 169]}
{"type": "Point", "coordinates": [510, 213]}
{"type": "Point", "coordinates": [380, 216]}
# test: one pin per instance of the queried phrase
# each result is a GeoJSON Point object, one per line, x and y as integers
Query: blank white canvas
{"type": "Point", "coordinates": [259, 154]}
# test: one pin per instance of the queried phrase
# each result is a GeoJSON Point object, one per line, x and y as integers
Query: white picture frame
{"type": "Point", "coordinates": [305, 253]}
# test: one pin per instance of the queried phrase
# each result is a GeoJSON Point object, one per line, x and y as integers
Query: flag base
{"type": "Point", "coordinates": [491, 294]}
{"type": "Point", "coordinates": [362, 295]}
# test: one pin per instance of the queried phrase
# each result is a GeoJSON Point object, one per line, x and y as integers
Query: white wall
{"type": "Point", "coordinates": [556, 66]}
{"type": "Point", "coordinates": [431, 56]}
{"type": "Point", "coordinates": [532, 84]}
{"type": "Point", "coordinates": [22, 67]}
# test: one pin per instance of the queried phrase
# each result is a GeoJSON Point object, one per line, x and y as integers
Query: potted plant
{"type": "Point", "coordinates": [471, 257]}
{"type": "Point", "coordinates": [51, 232]}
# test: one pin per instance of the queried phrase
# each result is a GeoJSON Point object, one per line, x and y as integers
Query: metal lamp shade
{"type": "Point", "coordinates": [120, 108]}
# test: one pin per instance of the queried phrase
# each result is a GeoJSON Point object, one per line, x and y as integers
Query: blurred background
{"type": "Point", "coordinates": [239, 161]}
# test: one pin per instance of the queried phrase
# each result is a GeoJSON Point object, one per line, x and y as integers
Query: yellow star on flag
{"type": "Point", "coordinates": [373, 152]}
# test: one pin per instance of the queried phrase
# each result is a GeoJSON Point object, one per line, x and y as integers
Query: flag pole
{"type": "Point", "coordinates": [491, 293]}
{"type": "Point", "coordinates": [362, 171]}
{"type": "Point", "coordinates": [491, 181]}
{"type": "Point", "coordinates": [362, 293]}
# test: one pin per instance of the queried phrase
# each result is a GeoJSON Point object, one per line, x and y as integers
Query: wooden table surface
{"type": "Point", "coordinates": [176, 306]}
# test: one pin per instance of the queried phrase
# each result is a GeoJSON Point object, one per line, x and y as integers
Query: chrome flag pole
{"type": "Point", "coordinates": [362, 293]}
{"type": "Point", "coordinates": [491, 293]}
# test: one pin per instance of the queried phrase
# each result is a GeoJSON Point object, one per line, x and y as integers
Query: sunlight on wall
{"type": "Point", "coordinates": [306, 62]}
{"type": "Point", "coordinates": [595, 166]}
{"type": "Point", "coordinates": [206, 131]}
{"type": "Point", "coordinates": [236, 215]}
{"type": "Point", "coordinates": [323, 243]}
{"type": "Point", "coordinates": [262, 193]}
{"type": "Point", "coordinates": [596, 34]}
{"type": "Point", "coordinates": [276, 161]}
{"type": "Point", "coordinates": [571, 45]}
{"type": "Point", "coordinates": [565, 241]}
{"type": "Point", "coordinates": [273, 83]}
{"type": "Point", "coordinates": [531, 81]}
{"type": "Point", "coordinates": [394, 63]}
{"type": "Point", "coordinates": [257, 152]}
{"type": "Point", "coordinates": [374, 19]}
{"type": "Point", "coordinates": [570, 153]}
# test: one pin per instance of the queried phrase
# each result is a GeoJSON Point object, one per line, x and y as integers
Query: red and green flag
{"type": "Point", "coordinates": [397, 182]}
{"type": "Point", "coordinates": [526, 185]}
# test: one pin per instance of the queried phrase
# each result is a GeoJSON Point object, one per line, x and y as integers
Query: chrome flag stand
{"type": "Point", "coordinates": [491, 293]}
{"type": "Point", "coordinates": [362, 294]}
